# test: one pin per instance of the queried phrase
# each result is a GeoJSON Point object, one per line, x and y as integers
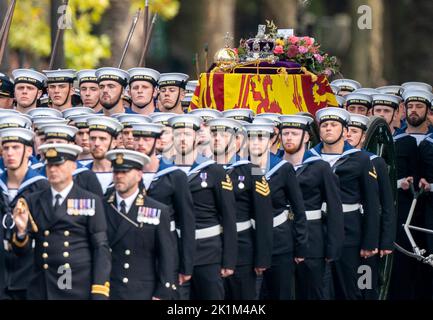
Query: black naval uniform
{"type": "Point", "coordinates": [325, 232]}
{"type": "Point", "coordinates": [403, 286]}
{"type": "Point", "coordinates": [142, 252]}
{"type": "Point", "coordinates": [359, 191]}
{"type": "Point", "coordinates": [170, 187]}
{"type": "Point", "coordinates": [290, 233]}
{"type": "Point", "coordinates": [214, 207]}
{"type": "Point", "coordinates": [254, 227]}
{"type": "Point", "coordinates": [74, 238]}
{"type": "Point", "coordinates": [426, 172]}
{"type": "Point", "coordinates": [388, 220]}
{"type": "Point", "coordinates": [19, 269]}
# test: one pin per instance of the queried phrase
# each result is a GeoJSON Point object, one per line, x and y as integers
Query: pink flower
{"type": "Point", "coordinates": [293, 39]}
{"type": "Point", "coordinates": [236, 50]}
{"type": "Point", "coordinates": [303, 49]}
{"type": "Point", "coordinates": [318, 57]}
{"type": "Point", "coordinates": [308, 41]}
{"type": "Point", "coordinates": [278, 50]}
{"type": "Point", "coordinates": [292, 52]}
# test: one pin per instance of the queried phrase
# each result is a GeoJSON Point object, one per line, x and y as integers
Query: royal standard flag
{"type": "Point", "coordinates": [279, 93]}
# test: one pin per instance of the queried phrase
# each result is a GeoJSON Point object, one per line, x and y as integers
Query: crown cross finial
{"type": "Point", "coordinates": [228, 39]}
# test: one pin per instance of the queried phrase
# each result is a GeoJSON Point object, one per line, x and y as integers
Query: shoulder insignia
{"type": "Point", "coordinates": [227, 184]}
{"type": "Point", "coordinates": [111, 198]}
{"type": "Point", "coordinates": [373, 173]}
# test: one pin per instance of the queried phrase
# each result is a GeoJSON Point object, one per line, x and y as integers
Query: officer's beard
{"type": "Point", "coordinates": [109, 106]}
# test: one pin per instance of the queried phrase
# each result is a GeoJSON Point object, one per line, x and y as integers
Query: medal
{"type": "Point", "coordinates": [241, 180]}
{"type": "Point", "coordinates": [203, 177]}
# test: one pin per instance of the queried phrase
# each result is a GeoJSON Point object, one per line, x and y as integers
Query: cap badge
{"type": "Point", "coordinates": [119, 158]}
{"type": "Point", "coordinates": [51, 153]}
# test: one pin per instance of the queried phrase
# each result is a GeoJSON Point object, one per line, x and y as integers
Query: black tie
{"type": "Point", "coordinates": [123, 207]}
{"type": "Point", "coordinates": [57, 203]}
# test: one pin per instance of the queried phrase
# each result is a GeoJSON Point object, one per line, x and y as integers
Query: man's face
{"type": "Point", "coordinates": [416, 113]}
{"type": "Point", "coordinates": [12, 153]}
{"type": "Point", "coordinates": [89, 92]}
{"type": "Point", "coordinates": [100, 143]}
{"type": "Point", "coordinates": [259, 144]}
{"type": "Point", "coordinates": [59, 93]}
{"type": "Point", "coordinates": [60, 173]}
{"type": "Point", "coordinates": [6, 103]}
{"type": "Point", "coordinates": [125, 181]}
{"type": "Point", "coordinates": [330, 131]}
{"type": "Point", "coordinates": [385, 112]}
{"type": "Point", "coordinates": [110, 93]}
{"type": "Point", "coordinates": [222, 142]}
{"type": "Point", "coordinates": [355, 137]}
{"type": "Point", "coordinates": [165, 142]}
{"type": "Point", "coordinates": [39, 140]}
{"type": "Point", "coordinates": [82, 139]}
{"type": "Point", "coordinates": [292, 138]}
{"type": "Point", "coordinates": [142, 93]}
{"type": "Point", "coordinates": [357, 109]}
{"type": "Point", "coordinates": [26, 94]}
{"type": "Point", "coordinates": [144, 145]}
{"type": "Point", "coordinates": [128, 138]}
{"type": "Point", "coordinates": [204, 135]}
{"type": "Point", "coordinates": [184, 140]}
{"type": "Point", "coordinates": [169, 95]}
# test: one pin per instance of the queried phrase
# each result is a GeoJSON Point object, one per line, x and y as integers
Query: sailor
{"type": "Point", "coordinates": [138, 234]}
{"type": "Point", "coordinates": [318, 185]}
{"type": "Point", "coordinates": [112, 83]}
{"type": "Point", "coordinates": [69, 228]}
{"type": "Point", "coordinates": [60, 88]}
{"type": "Point", "coordinates": [89, 89]}
{"type": "Point", "coordinates": [165, 183]}
{"type": "Point", "coordinates": [83, 177]}
{"type": "Point", "coordinates": [103, 132]}
{"type": "Point", "coordinates": [28, 85]}
{"type": "Point", "coordinates": [172, 92]}
{"type": "Point", "coordinates": [6, 92]}
{"type": "Point", "coordinates": [275, 120]}
{"type": "Point", "coordinates": [253, 204]}
{"type": "Point", "coordinates": [358, 103]}
{"type": "Point", "coordinates": [164, 145]}
{"type": "Point", "coordinates": [346, 86]}
{"type": "Point", "coordinates": [355, 137]}
{"type": "Point", "coordinates": [214, 210]}
{"type": "Point", "coordinates": [127, 120]}
{"type": "Point", "coordinates": [204, 135]}
{"type": "Point", "coordinates": [358, 191]}
{"type": "Point", "coordinates": [143, 84]}
{"type": "Point", "coordinates": [290, 234]}
{"type": "Point", "coordinates": [18, 180]}
{"type": "Point", "coordinates": [418, 104]}
{"type": "Point", "coordinates": [82, 138]}
{"type": "Point", "coordinates": [406, 155]}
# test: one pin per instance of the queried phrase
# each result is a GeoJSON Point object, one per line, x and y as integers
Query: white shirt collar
{"type": "Point", "coordinates": [64, 193]}
{"type": "Point", "coordinates": [128, 201]}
